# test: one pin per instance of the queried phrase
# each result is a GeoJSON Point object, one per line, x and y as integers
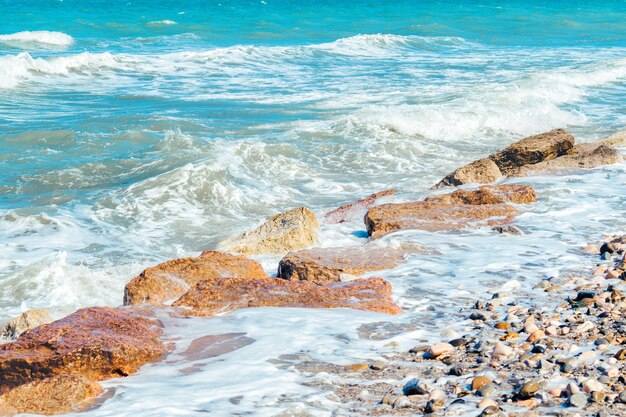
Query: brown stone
{"type": "Point", "coordinates": [482, 171]}
{"type": "Point", "coordinates": [172, 279]}
{"type": "Point", "coordinates": [97, 343]}
{"type": "Point", "coordinates": [208, 298]}
{"type": "Point", "coordinates": [584, 156]}
{"type": "Point", "coordinates": [479, 382]}
{"type": "Point", "coordinates": [489, 194]}
{"type": "Point", "coordinates": [56, 395]}
{"type": "Point", "coordinates": [533, 149]}
{"type": "Point", "coordinates": [435, 216]}
{"type": "Point", "coordinates": [292, 230]}
{"type": "Point", "coordinates": [503, 325]}
{"type": "Point", "coordinates": [25, 321]}
{"type": "Point", "coordinates": [324, 265]}
{"type": "Point", "coordinates": [355, 211]}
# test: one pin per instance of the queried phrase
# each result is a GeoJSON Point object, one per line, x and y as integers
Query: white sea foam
{"type": "Point", "coordinates": [40, 38]}
{"type": "Point", "coordinates": [165, 22]}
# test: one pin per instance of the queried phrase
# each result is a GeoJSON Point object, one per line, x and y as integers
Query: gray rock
{"type": "Point", "coordinates": [578, 400]}
{"type": "Point", "coordinates": [415, 387]}
{"type": "Point", "coordinates": [487, 390]}
{"type": "Point", "coordinates": [402, 402]}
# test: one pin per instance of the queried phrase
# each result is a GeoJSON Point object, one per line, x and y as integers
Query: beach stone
{"type": "Point", "coordinates": [55, 395]}
{"type": "Point", "coordinates": [482, 171]}
{"type": "Point", "coordinates": [528, 389]}
{"type": "Point", "coordinates": [325, 265]}
{"type": "Point", "coordinates": [489, 194]}
{"type": "Point", "coordinates": [434, 405]}
{"type": "Point", "coordinates": [171, 279]}
{"type": "Point", "coordinates": [26, 321]}
{"type": "Point", "coordinates": [622, 397]}
{"type": "Point", "coordinates": [378, 365]}
{"type": "Point", "coordinates": [97, 343]}
{"type": "Point", "coordinates": [402, 402]}
{"type": "Point", "coordinates": [598, 397]}
{"type": "Point", "coordinates": [457, 370]}
{"type": "Point", "coordinates": [536, 335]}
{"type": "Point", "coordinates": [578, 400]}
{"type": "Point", "coordinates": [487, 402]}
{"type": "Point", "coordinates": [533, 149]}
{"type": "Point", "coordinates": [434, 216]}
{"type": "Point", "coordinates": [583, 156]}
{"type": "Point", "coordinates": [503, 325]}
{"type": "Point", "coordinates": [501, 351]}
{"type": "Point", "coordinates": [356, 211]}
{"type": "Point", "coordinates": [208, 298]}
{"type": "Point", "coordinates": [492, 411]}
{"type": "Point", "coordinates": [289, 231]}
{"type": "Point", "coordinates": [592, 385]}
{"type": "Point", "coordinates": [486, 390]}
{"type": "Point", "coordinates": [440, 348]}
{"type": "Point", "coordinates": [415, 387]}
{"type": "Point", "coordinates": [479, 382]}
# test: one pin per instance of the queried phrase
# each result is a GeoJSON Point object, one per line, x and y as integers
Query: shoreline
{"type": "Point", "coordinates": [435, 397]}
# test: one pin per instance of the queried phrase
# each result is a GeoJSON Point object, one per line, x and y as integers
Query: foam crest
{"type": "Point", "coordinates": [377, 45]}
{"type": "Point", "coordinates": [39, 38]}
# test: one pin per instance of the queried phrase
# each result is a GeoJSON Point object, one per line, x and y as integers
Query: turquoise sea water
{"type": "Point", "coordinates": [132, 131]}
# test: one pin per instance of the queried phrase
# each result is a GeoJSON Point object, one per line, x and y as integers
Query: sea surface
{"type": "Point", "coordinates": [132, 132]}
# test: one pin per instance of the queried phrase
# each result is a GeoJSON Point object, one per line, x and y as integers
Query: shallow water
{"type": "Point", "coordinates": [134, 132]}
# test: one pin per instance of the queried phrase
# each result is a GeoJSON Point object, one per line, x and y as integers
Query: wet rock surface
{"type": "Point", "coordinates": [27, 320]}
{"type": "Point", "coordinates": [482, 171]}
{"type": "Point", "coordinates": [325, 265]}
{"type": "Point", "coordinates": [355, 211]}
{"type": "Point", "coordinates": [97, 343]}
{"type": "Point", "coordinates": [172, 279]}
{"type": "Point", "coordinates": [208, 298]}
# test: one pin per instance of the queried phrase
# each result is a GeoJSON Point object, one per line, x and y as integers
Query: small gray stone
{"type": "Point", "coordinates": [622, 397]}
{"type": "Point", "coordinates": [486, 390]}
{"type": "Point", "coordinates": [402, 402]}
{"type": "Point", "coordinates": [578, 400]}
{"type": "Point", "coordinates": [378, 365]}
{"type": "Point", "coordinates": [415, 387]}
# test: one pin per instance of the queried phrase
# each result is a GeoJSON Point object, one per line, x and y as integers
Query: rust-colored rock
{"type": "Point", "coordinates": [25, 321]}
{"type": "Point", "coordinates": [325, 265]}
{"type": "Point", "coordinates": [583, 156]}
{"type": "Point", "coordinates": [482, 171]}
{"type": "Point", "coordinates": [292, 230]}
{"type": "Point", "coordinates": [209, 298]}
{"type": "Point", "coordinates": [435, 216]}
{"type": "Point", "coordinates": [56, 395]}
{"type": "Point", "coordinates": [355, 211]}
{"type": "Point", "coordinates": [172, 279]}
{"type": "Point", "coordinates": [97, 343]}
{"type": "Point", "coordinates": [533, 149]}
{"type": "Point", "coordinates": [489, 194]}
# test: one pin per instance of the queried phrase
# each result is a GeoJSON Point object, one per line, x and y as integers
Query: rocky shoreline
{"type": "Point", "coordinates": [522, 357]}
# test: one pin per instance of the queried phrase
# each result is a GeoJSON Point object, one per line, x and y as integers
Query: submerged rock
{"type": "Point", "coordinates": [97, 343]}
{"type": "Point", "coordinates": [355, 211]}
{"type": "Point", "coordinates": [208, 298]}
{"type": "Point", "coordinates": [56, 395]}
{"type": "Point", "coordinates": [533, 150]}
{"type": "Point", "coordinates": [483, 171]}
{"type": "Point", "coordinates": [489, 194]}
{"type": "Point", "coordinates": [292, 230]}
{"type": "Point", "coordinates": [172, 279]}
{"type": "Point", "coordinates": [324, 265]}
{"type": "Point", "coordinates": [26, 321]}
{"type": "Point", "coordinates": [585, 155]}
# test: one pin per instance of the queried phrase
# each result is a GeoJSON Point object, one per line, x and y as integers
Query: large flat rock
{"type": "Point", "coordinates": [325, 265]}
{"type": "Point", "coordinates": [209, 298]}
{"type": "Point", "coordinates": [96, 343]}
{"type": "Point", "coordinates": [171, 279]}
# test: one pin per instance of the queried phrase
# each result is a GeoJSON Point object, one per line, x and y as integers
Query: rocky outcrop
{"type": "Point", "coordinates": [96, 343]}
{"type": "Point", "coordinates": [209, 298]}
{"type": "Point", "coordinates": [292, 230]}
{"type": "Point", "coordinates": [172, 279]}
{"type": "Point", "coordinates": [487, 206]}
{"type": "Point", "coordinates": [325, 265]}
{"type": "Point", "coordinates": [355, 211]}
{"type": "Point", "coordinates": [25, 321]}
{"type": "Point", "coordinates": [482, 171]}
{"type": "Point", "coordinates": [616, 139]}
{"type": "Point", "coordinates": [489, 194]}
{"type": "Point", "coordinates": [533, 149]}
{"type": "Point", "coordinates": [586, 155]}
{"type": "Point", "coordinates": [56, 395]}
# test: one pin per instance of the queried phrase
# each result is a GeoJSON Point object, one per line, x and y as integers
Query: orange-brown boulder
{"type": "Point", "coordinates": [209, 298]}
{"type": "Point", "coordinates": [172, 279]}
{"type": "Point", "coordinates": [353, 211]}
{"type": "Point", "coordinates": [56, 395]}
{"type": "Point", "coordinates": [490, 194]}
{"type": "Point", "coordinates": [325, 265]}
{"type": "Point", "coordinates": [97, 343]}
{"type": "Point", "coordinates": [435, 216]}
{"type": "Point", "coordinates": [482, 171]}
{"type": "Point", "coordinates": [533, 149]}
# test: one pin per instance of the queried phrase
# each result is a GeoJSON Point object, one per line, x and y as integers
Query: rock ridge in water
{"type": "Point", "coordinates": [171, 279]}
{"type": "Point", "coordinates": [356, 211]}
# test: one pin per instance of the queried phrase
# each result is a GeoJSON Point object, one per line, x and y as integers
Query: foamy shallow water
{"type": "Point", "coordinates": [129, 141]}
